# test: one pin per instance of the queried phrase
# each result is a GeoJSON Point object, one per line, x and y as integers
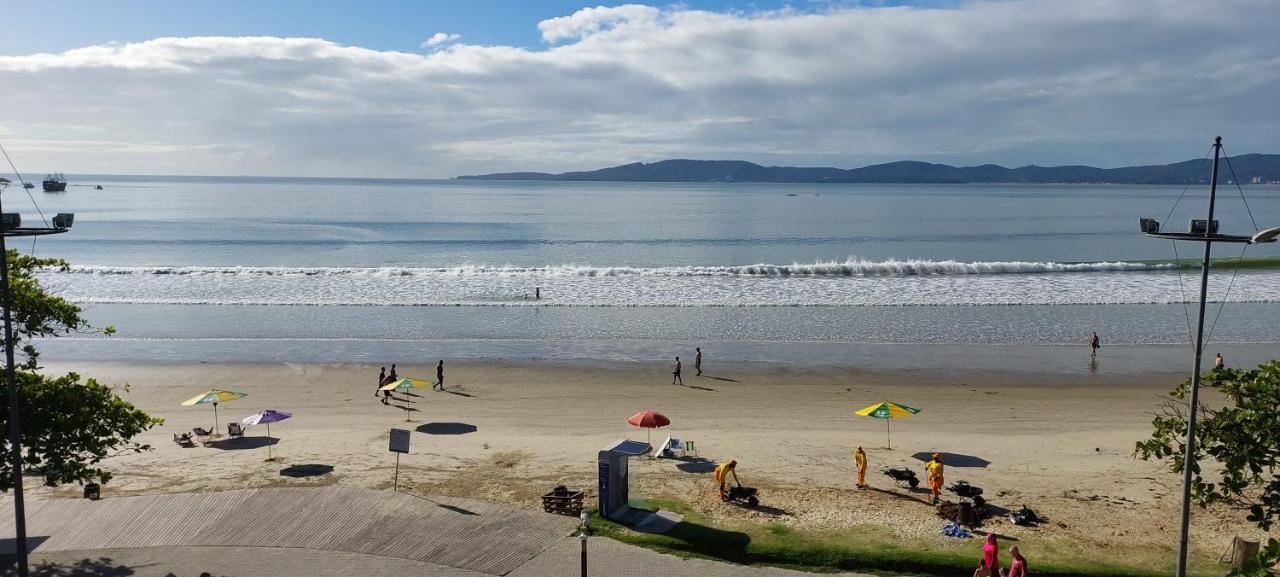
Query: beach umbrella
{"type": "Point", "coordinates": [649, 420]}
{"type": "Point", "coordinates": [214, 396]}
{"type": "Point", "coordinates": [887, 410]}
{"type": "Point", "coordinates": [405, 384]}
{"type": "Point", "coordinates": [266, 418]}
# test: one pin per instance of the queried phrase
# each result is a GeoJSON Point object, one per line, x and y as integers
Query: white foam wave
{"type": "Point", "coordinates": [851, 267]}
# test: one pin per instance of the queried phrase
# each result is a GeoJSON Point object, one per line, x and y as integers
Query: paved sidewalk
{"type": "Point", "coordinates": [323, 532]}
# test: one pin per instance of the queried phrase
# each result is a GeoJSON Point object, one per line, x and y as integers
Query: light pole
{"type": "Point", "coordinates": [582, 538]}
{"type": "Point", "coordinates": [11, 225]}
{"type": "Point", "coordinates": [1207, 232]}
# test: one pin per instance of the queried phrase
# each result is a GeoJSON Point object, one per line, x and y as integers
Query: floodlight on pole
{"type": "Point", "coordinates": [11, 225]}
{"type": "Point", "coordinates": [1205, 231]}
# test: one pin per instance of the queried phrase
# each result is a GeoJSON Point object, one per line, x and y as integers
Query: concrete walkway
{"type": "Point", "coordinates": [322, 532]}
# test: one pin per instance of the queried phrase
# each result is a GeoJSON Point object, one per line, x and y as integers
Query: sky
{"type": "Point", "coordinates": [439, 89]}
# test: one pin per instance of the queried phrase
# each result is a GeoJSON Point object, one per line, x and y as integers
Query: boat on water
{"type": "Point", "coordinates": [55, 182]}
{"type": "Point", "coordinates": [28, 185]}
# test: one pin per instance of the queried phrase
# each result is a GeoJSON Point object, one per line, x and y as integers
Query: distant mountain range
{"type": "Point", "coordinates": [1249, 168]}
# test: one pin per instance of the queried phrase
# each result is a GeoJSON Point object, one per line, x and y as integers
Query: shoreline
{"type": "Point", "coordinates": [888, 358]}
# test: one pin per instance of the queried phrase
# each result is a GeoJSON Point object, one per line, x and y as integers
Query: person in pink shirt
{"type": "Point", "coordinates": [991, 555]}
{"type": "Point", "coordinates": [1017, 567]}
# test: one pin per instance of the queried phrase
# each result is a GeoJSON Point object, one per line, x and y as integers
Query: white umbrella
{"type": "Point", "coordinates": [266, 417]}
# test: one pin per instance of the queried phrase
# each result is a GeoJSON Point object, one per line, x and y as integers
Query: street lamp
{"type": "Point", "coordinates": [1205, 231]}
{"type": "Point", "coordinates": [582, 538]}
{"type": "Point", "coordinates": [11, 225]}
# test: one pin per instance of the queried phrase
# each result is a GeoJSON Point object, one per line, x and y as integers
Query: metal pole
{"type": "Point", "coordinates": [15, 427]}
{"type": "Point", "coordinates": [583, 539]}
{"type": "Point", "coordinates": [1189, 455]}
{"type": "Point", "coordinates": [395, 485]}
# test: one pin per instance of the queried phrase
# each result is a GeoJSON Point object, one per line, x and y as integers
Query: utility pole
{"type": "Point", "coordinates": [11, 225]}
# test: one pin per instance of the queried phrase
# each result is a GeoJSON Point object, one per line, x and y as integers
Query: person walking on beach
{"type": "Point", "coordinates": [675, 375]}
{"type": "Point", "coordinates": [1218, 363]}
{"type": "Point", "coordinates": [860, 459]}
{"type": "Point", "coordinates": [991, 555]}
{"type": "Point", "coordinates": [1018, 566]}
{"type": "Point", "coordinates": [1094, 345]}
{"type": "Point", "coordinates": [439, 376]}
{"type": "Point", "coordinates": [935, 469]}
{"type": "Point", "coordinates": [382, 380]}
{"type": "Point", "coordinates": [697, 360]}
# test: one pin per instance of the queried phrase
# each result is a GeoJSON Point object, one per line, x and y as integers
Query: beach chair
{"type": "Point", "coordinates": [202, 435]}
{"type": "Point", "coordinates": [234, 430]}
{"type": "Point", "coordinates": [184, 440]}
{"type": "Point", "coordinates": [671, 448]}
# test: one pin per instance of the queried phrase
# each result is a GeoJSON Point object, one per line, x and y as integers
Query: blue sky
{"type": "Point", "coordinates": [320, 88]}
{"type": "Point", "coordinates": [57, 25]}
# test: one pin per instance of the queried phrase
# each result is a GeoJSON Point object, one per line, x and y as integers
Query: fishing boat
{"type": "Point", "coordinates": [28, 185]}
{"type": "Point", "coordinates": [55, 182]}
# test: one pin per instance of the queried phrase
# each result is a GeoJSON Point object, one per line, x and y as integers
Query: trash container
{"type": "Point", "coordinates": [92, 491]}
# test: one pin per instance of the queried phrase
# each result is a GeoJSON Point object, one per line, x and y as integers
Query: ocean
{"type": "Point", "coordinates": [208, 268]}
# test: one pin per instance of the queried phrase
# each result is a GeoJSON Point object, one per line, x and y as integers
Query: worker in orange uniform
{"type": "Point", "coordinates": [860, 459]}
{"type": "Point", "coordinates": [935, 469]}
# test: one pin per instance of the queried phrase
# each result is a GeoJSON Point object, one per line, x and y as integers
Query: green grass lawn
{"type": "Point", "coordinates": [871, 549]}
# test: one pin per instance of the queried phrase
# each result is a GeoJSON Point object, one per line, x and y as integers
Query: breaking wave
{"type": "Point", "coordinates": [849, 268]}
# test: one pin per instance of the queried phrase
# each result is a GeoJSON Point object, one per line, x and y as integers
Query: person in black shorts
{"type": "Point", "coordinates": [439, 376]}
{"type": "Point", "coordinates": [675, 375]}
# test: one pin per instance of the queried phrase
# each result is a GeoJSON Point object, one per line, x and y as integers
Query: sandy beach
{"type": "Point", "coordinates": [508, 432]}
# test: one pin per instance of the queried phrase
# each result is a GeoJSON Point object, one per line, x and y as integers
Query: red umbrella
{"type": "Point", "coordinates": [649, 420]}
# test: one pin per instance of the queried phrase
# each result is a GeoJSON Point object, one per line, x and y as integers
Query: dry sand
{"type": "Point", "coordinates": [508, 432]}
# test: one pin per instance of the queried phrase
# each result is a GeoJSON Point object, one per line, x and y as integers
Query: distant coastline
{"type": "Point", "coordinates": [1248, 168]}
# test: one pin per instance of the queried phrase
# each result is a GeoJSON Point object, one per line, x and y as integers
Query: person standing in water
{"type": "Point", "coordinates": [1094, 345]}
{"type": "Point", "coordinates": [1218, 363]}
{"type": "Point", "coordinates": [697, 360]}
{"type": "Point", "coordinates": [675, 375]}
{"type": "Point", "coordinates": [439, 376]}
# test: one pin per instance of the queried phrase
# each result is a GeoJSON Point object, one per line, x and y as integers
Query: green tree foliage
{"type": "Point", "coordinates": [1238, 437]}
{"type": "Point", "coordinates": [68, 427]}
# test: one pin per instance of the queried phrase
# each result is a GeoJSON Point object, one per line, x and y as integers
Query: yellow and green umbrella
{"type": "Point", "coordinates": [405, 384]}
{"type": "Point", "coordinates": [887, 410]}
{"type": "Point", "coordinates": [214, 396]}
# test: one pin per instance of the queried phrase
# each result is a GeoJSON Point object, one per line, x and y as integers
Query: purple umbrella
{"type": "Point", "coordinates": [266, 417]}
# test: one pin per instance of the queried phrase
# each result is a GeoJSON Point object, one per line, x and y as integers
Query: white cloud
{"type": "Point", "coordinates": [1049, 82]}
{"type": "Point", "coordinates": [589, 21]}
{"type": "Point", "coordinates": [438, 39]}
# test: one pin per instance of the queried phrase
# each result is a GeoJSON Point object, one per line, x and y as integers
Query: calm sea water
{"type": "Point", "coordinates": [257, 266]}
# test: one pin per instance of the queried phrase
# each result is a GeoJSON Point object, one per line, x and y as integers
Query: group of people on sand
{"type": "Point", "coordinates": [990, 566]}
{"type": "Point", "coordinates": [936, 471]}
{"type": "Point", "coordinates": [697, 366]}
{"type": "Point", "coordinates": [385, 378]}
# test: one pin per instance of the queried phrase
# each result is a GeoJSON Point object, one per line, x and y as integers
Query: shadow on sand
{"type": "Point", "coordinates": [242, 443]}
{"type": "Point", "coordinates": [459, 393]}
{"type": "Point", "coordinates": [696, 465]}
{"type": "Point", "coordinates": [725, 379]}
{"type": "Point", "coordinates": [954, 459]}
{"type": "Point", "coordinates": [307, 470]}
{"type": "Point", "coordinates": [446, 428]}
{"type": "Point", "coordinates": [903, 496]}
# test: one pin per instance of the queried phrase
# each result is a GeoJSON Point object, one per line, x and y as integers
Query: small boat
{"type": "Point", "coordinates": [99, 187]}
{"type": "Point", "coordinates": [28, 185]}
{"type": "Point", "coordinates": [55, 182]}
